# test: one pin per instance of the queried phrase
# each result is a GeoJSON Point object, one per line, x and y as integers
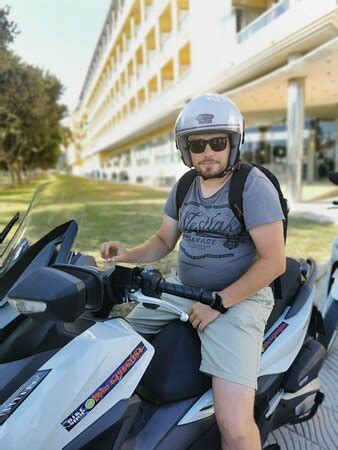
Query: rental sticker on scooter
{"type": "Point", "coordinates": [273, 336]}
{"type": "Point", "coordinates": [76, 416]}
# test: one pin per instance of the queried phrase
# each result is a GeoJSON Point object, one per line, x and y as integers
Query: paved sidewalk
{"type": "Point", "coordinates": [321, 432]}
{"type": "Point", "coordinates": [322, 211]}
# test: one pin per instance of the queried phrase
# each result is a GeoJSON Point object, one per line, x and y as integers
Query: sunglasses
{"type": "Point", "coordinates": [217, 144]}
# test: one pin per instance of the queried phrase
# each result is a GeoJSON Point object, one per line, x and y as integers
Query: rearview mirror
{"type": "Point", "coordinates": [50, 294]}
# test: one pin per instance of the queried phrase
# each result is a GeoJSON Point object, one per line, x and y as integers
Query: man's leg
{"type": "Point", "coordinates": [234, 413]}
{"type": "Point", "coordinates": [231, 348]}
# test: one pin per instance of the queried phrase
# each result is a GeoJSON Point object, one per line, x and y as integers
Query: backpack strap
{"type": "Point", "coordinates": [238, 180]}
{"type": "Point", "coordinates": [183, 186]}
{"type": "Point", "coordinates": [237, 183]}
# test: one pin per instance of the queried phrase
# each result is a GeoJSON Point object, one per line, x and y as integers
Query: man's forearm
{"type": "Point", "coordinates": [152, 250]}
{"type": "Point", "coordinates": [258, 276]}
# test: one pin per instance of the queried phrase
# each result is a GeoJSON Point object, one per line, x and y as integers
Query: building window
{"type": "Point", "coordinates": [153, 87]}
{"type": "Point", "coordinates": [165, 24]}
{"type": "Point", "coordinates": [142, 156]}
{"type": "Point", "coordinates": [183, 11]}
{"type": "Point", "coordinates": [141, 96]}
{"type": "Point", "coordinates": [184, 60]}
{"type": "Point", "coordinates": [325, 146]}
{"type": "Point", "coordinates": [167, 75]}
{"type": "Point", "coordinates": [151, 46]}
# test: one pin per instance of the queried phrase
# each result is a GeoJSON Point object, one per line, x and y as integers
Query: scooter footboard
{"type": "Point", "coordinates": [305, 367]}
{"type": "Point", "coordinates": [301, 386]}
{"type": "Point", "coordinates": [111, 429]}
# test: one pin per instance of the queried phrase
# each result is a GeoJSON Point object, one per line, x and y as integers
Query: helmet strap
{"type": "Point", "coordinates": [231, 168]}
{"type": "Point", "coordinates": [227, 170]}
{"type": "Point", "coordinates": [224, 173]}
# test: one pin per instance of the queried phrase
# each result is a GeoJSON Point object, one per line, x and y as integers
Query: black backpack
{"type": "Point", "coordinates": [237, 183]}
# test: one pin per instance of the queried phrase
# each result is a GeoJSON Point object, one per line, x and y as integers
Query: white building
{"type": "Point", "coordinates": [277, 60]}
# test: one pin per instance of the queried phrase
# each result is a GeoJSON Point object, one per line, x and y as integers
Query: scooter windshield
{"type": "Point", "coordinates": [45, 212]}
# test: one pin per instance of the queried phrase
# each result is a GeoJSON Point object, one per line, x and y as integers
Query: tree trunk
{"type": "Point", "coordinates": [12, 175]}
{"type": "Point", "coordinates": [19, 175]}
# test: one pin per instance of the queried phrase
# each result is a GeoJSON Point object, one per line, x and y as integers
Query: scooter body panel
{"type": "Point", "coordinates": [284, 339]}
{"type": "Point", "coordinates": [163, 432]}
{"type": "Point", "coordinates": [334, 252]}
{"type": "Point", "coordinates": [332, 290]}
{"type": "Point", "coordinates": [332, 272]}
{"type": "Point", "coordinates": [7, 315]}
{"type": "Point", "coordinates": [84, 379]}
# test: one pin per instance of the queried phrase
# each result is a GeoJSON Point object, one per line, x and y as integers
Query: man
{"type": "Point", "coordinates": [215, 254]}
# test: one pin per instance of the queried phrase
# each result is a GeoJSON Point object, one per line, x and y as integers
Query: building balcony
{"type": "Point", "coordinates": [145, 74]}
{"type": "Point", "coordinates": [288, 30]}
{"type": "Point", "coordinates": [98, 66]}
{"type": "Point", "coordinates": [157, 112]}
{"type": "Point", "coordinates": [289, 26]}
{"type": "Point", "coordinates": [143, 30]}
{"type": "Point", "coordinates": [263, 20]}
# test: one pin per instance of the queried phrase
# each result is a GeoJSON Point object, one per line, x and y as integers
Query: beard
{"type": "Point", "coordinates": [209, 172]}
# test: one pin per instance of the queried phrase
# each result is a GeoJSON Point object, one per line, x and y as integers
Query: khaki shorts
{"type": "Point", "coordinates": [230, 345]}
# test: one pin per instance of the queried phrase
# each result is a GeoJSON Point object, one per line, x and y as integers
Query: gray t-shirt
{"type": "Point", "coordinates": [213, 253]}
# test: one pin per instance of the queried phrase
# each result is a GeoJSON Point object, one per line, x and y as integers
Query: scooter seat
{"type": "Point", "coordinates": [173, 373]}
{"type": "Point", "coordinates": [290, 283]}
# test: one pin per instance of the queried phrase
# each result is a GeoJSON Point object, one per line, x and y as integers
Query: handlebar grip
{"type": "Point", "coordinates": [189, 292]}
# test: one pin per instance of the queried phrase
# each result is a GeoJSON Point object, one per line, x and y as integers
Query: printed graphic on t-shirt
{"type": "Point", "coordinates": [209, 231]}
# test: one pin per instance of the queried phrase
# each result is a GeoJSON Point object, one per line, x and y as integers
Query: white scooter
{"type": "Point", "coordinates": [330, 311]}
{"type": "Point", "coordinates": [73, 377]}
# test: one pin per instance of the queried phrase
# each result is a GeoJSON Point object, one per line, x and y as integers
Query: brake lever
{"type": "Point", "coordinates": [144, 299]}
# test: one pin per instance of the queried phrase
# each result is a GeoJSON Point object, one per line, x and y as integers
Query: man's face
{"type": "Point", "coordinates": [210, 163]}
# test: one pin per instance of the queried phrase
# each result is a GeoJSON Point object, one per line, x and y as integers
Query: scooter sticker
{"type": "Point", "coordinates": [273, 336]}
{"type": "Point", "coordinates": [76, 416]}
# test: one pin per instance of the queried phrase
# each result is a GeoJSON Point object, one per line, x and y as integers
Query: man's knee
{"type": "Point", "coordinates": [239, 433]}
{"type": "Point", "coordinates": [234, 412]}
{"type": "Point", "coordinates": [235, 429]}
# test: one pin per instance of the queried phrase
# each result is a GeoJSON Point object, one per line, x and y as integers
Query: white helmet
{"type": "Point", "coordinates": [206, 114]}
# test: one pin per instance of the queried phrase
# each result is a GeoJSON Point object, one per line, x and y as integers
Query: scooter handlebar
{"type": "Point", "coordinates": [189, 292]}
{"type": "Point", "coordinates": [152, 284]}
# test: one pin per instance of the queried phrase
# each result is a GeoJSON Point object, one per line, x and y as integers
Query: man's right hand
{"type": "Point", "coordinates": [114, 251]}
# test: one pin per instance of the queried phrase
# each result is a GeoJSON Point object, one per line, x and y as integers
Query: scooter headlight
{"type": "Point", "coordinates": [28, 306]}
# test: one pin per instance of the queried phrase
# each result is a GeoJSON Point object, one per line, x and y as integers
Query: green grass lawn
{"type": "Point", "coordinates": [106, 211]}
{"type": "Point", "coordinates": [103, 211]}
{"type": "Point", "coordinates": [129, 214]}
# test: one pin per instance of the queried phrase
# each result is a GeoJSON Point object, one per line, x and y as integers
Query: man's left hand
{"type": "Point", "coordinates": [201, 315]}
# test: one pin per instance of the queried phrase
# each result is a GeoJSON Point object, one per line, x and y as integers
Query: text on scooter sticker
{"type": "Point", "coordinates": [273, 336]}
{"type": "Point", "coordinates": [76, 416]}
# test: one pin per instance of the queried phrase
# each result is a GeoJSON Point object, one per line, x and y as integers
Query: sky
{"type": "Point", "coordinates": [59, 36]}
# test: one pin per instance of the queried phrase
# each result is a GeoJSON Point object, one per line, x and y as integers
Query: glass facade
{"type": "Point", "coordinates": [157, 162]}
{"type": "Point", "coordinates": [325, 146]}
{"type": "Point", "coordinates": [267, 145]}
